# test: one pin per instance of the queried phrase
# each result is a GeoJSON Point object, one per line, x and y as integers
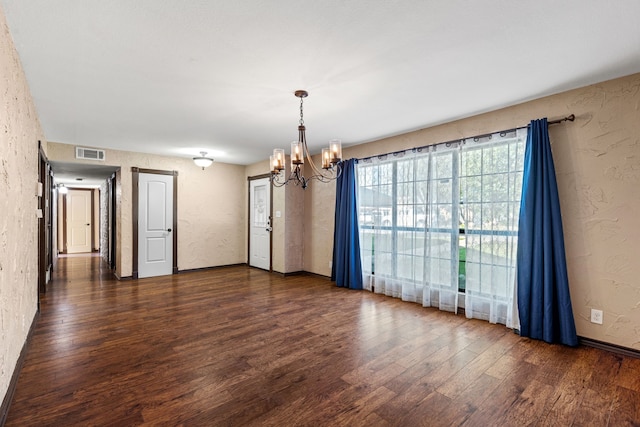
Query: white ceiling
{"type": "Point", "coordinates": [176, 77]}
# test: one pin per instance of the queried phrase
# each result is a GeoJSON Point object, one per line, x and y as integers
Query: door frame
{"type": "Point", "coordinates": [62, 207]}
{"type": "Point", "coordinates": [64, 219]}
{"type": "Point", "coordinates": [112, 221]}
{"type": "Point", "coordinates": [135, 204]}
{"type": "Point", "coordinates": [44, 180]}
{"type": "Point", "coordinates": [249, 179]}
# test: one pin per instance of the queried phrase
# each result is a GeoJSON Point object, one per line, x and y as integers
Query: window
{"type": "Point", "coordinates": [490, 187]}
{"type": "Point", "coordinates": [442, 220]}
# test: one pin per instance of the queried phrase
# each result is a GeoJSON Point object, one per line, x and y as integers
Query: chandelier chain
{"type": "Point", "coordinates": [301, 114]}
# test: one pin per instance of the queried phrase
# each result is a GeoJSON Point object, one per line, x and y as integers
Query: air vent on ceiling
{"type": "Point", "coordinates": [89, 153]}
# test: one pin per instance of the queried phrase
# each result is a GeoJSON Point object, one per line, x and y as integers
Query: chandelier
{"type": "Point", "coordinates": [329, 171]}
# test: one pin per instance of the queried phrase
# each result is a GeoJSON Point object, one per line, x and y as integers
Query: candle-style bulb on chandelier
{"type": "Point", "coordinates": [331, 167]}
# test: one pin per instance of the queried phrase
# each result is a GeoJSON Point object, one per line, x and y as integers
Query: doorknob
{"type": "Point", "coordinates": [88, 224]}
{"type": "Point", "coordinates": [269, 229]}
{"type": "Point", "coordinates": [169, 230]}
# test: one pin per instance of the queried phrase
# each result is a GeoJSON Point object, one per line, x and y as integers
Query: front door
{"type": "Point", "coordinates": [79, 218]}
{"type": "Point", "coordinates": [260, 223]}
{"type": "Point", "coordinates": [155, 222]}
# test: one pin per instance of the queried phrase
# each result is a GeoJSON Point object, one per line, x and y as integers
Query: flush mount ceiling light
{"type": "Point", "coordinates": [331, 167]}
{"type": "Point", "coordinates": [203, 161]}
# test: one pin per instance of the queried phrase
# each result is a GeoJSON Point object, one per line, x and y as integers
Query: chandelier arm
{"type": "Point", "coordinates": [324, 178]}
{"type": "Point", "coordinates": [275, 181]}
{"type": "Point", "coordinates": [297, 178]}
{"type": "Point", "coordinates": [314, 168]}
{"type": "Point", "coordinates": [329, 175]}
{"type": "Point", "coordinates": [325, 174]}
{"type": "Point", "coordinates": [312, 164]}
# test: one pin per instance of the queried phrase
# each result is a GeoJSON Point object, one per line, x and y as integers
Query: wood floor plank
{"type": "Point", "coordinates": [239, 346]}
{"type": "Point", "coordinates": [570, 391]}
{"type": "Point", "coordinates": [365, 406]}
{"type": "Point", "coordinates": [455, 385]}
{"type": "Point", "coordinates": [595, 409]}
{"type": "Point", "coordinates": [625, 410]}
{"type": "Point", "coordinates": [477, 393]}
{"type": "Point", "coordinates": [528, 407]}
{"type": "Point", "coordinates": [433, 410]}
{"type": "Point", "coordinates": [504, 397]}
{"type": "Point", "coordinates": [629, 376]}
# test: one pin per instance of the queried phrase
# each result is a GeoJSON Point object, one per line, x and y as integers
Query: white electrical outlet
{"type": "Point", "coordinates": [596, 316]}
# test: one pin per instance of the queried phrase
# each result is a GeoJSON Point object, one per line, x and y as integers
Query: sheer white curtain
{"type": "Point", "coordinates": [440, 221]}
{"type": "Point", "coordinates": [490, 186]}
{"type": "Point", "coordinates": [442, 248]}
{"type": "Point", "coordinates": [408, 215]}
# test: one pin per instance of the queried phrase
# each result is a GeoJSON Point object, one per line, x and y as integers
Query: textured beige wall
{"type": "Point", "coordinates": [319, 212]}
{"type": "Point", "coordinates": [18, 203]}
{"type": "Point", "coordinates": [210, 223]}
{"type": "Point", "coordinates": [597, 162]}
{"type": "Point", "coordinates": [294, 231]}
{"type": "Point", "coordinates": [278, 255]}
{"type": "Point", "coordinates": [103, 242]}
{"type": "Point", "coordinates": [119, 234]}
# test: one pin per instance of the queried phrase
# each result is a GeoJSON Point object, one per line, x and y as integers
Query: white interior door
{"type": "Point", "coordinates": [155, 222]}
{"type": "Point", "coordinates": [260, 223]}
{"type": "Point", "coordinates": [78, 221]}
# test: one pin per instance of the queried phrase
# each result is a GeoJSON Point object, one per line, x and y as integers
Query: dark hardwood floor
{"type": "Point", "coordinates": [241, 347]}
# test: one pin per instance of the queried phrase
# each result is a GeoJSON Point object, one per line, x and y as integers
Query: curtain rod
{"type": "Point", "coordinates": [569, 118]}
